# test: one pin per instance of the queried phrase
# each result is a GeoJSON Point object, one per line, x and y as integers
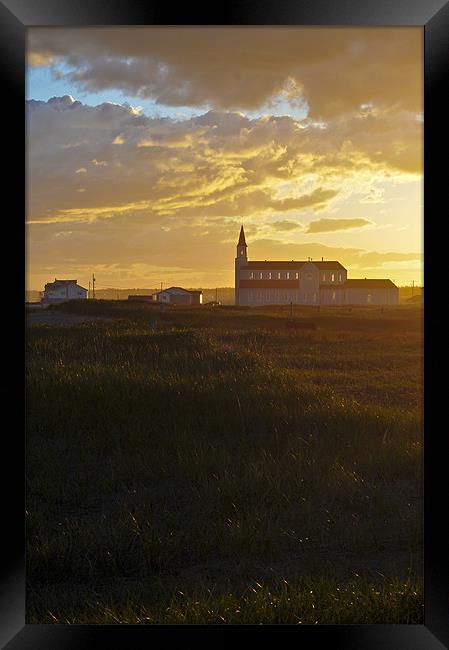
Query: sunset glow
{"type": "Point", "coordinates": [148, 148]}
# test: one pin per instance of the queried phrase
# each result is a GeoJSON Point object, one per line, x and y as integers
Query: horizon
{"type": "Point", "coordinates": [191, 287]}
{"type": "Point", "coordinates": [146, 154]}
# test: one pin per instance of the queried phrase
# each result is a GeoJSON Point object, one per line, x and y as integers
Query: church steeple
{"type": "Point", "coordinates": [242, 240]}
{"type": "Point", "coordinates": [241, 260]}
{"type": "Point", "coordinates": [242, 255]}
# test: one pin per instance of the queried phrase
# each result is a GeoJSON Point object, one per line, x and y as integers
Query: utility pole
{"type": "Point", "coordinates": [161, 286]}
{"type": "Point", "coordinates": [88, 293]}
{"type": "Point", "coordinates": [93, 286]}
{"type": "Point", "coordinates": [216, 294]}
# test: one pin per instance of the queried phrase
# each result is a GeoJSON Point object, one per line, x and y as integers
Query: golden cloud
{"type": "Point", "coordinates": [334, 225]}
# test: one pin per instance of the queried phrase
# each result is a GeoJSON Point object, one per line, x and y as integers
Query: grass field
{"type": "Point", "coordinates": [210, 465]}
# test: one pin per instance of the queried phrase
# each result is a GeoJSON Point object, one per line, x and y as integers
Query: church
{"type": "Point", "coordinates": [304, 283]}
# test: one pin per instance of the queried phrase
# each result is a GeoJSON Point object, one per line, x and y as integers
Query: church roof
{"type": "Point", "coordinates": [360, 283]}
{"type": "Point", "coordinates": [369, 284]}
{"type": "Point", "coordinates": [242, 240]}
{"type": "Point", "coordinates": [282, 265]}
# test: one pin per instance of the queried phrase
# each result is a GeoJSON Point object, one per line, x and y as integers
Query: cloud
{"type": "Point", "coordinates": [333, 225]}
{"type": "Point", "coordinates": [134, 252]}
{"type": "Point", "coordinates": [318, 197]}
{"type": "Point", "coordinates": [179, 202]}
{"type": "Point", "coordinates": [353, 258]}
{"type": "Point", "coordinates": [286, 225]}
{"type": "Point", "coordinates": [216, 164]}
{"type": "Point", "coordinates": [335, 70]}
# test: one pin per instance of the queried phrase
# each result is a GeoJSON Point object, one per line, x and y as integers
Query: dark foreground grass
{"type": "Point", "coordinates": [194, 471]}
{"type": "Point", "coordinates": [307, 602]}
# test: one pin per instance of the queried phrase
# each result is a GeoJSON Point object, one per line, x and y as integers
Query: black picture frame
{"type": "Point", "coordinates": [433, 15]}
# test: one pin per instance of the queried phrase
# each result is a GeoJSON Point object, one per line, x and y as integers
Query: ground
{"type": "Point", "coordinates": [214, 465]}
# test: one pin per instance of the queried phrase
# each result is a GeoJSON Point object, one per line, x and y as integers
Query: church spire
{"type": "Point", "coordinates": [242, 240]}
{"type": "Point", "coordinates": [242, 248]}
{"type": "Point", "coordinates": [241, 260]}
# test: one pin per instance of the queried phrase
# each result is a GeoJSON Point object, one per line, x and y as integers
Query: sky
{"type": "Point", "coordinates": [148, 147]}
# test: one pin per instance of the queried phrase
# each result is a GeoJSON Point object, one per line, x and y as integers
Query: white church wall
{"type": "Point", "coordinates": [371, 296]}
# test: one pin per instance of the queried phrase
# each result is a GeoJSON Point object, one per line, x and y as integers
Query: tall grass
{"type": "Point", "coordinates": [204, 458]}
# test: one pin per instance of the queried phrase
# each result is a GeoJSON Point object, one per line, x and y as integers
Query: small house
{"type": "Point", "coordinates": [62, 290]}
{"type": "Point", "coordinates": [179, 296]}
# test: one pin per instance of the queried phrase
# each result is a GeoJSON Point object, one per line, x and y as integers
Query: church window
{"type": "Point", "coordinates": [334, 295]}
{"type": "Point", "coordinates": [279, 276]}
{"type": "Point", "coordinates": [260, 275]}
{"type": "Point", "coordinates": [251, 275]}
{"type": "Point", "coordinates": [324, 277]}
{"type": "Point", "coordinates": [296, 275]}
{"type": "Point", "coordinates": [288, 275]}
{"type": "Point", "coordinates": [333, 277]}
{"type": "Point", "coordinates": [269, 276]}
{"type": "Point", "coordinates": [339, 277]}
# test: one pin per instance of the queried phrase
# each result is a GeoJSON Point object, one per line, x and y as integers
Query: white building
{"type": "Point", "coordinates": [307, 283]}
{"type": "Point", "coordinates": [179, 296]}
{"type": "Point", "coordinates": [61, 290]}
